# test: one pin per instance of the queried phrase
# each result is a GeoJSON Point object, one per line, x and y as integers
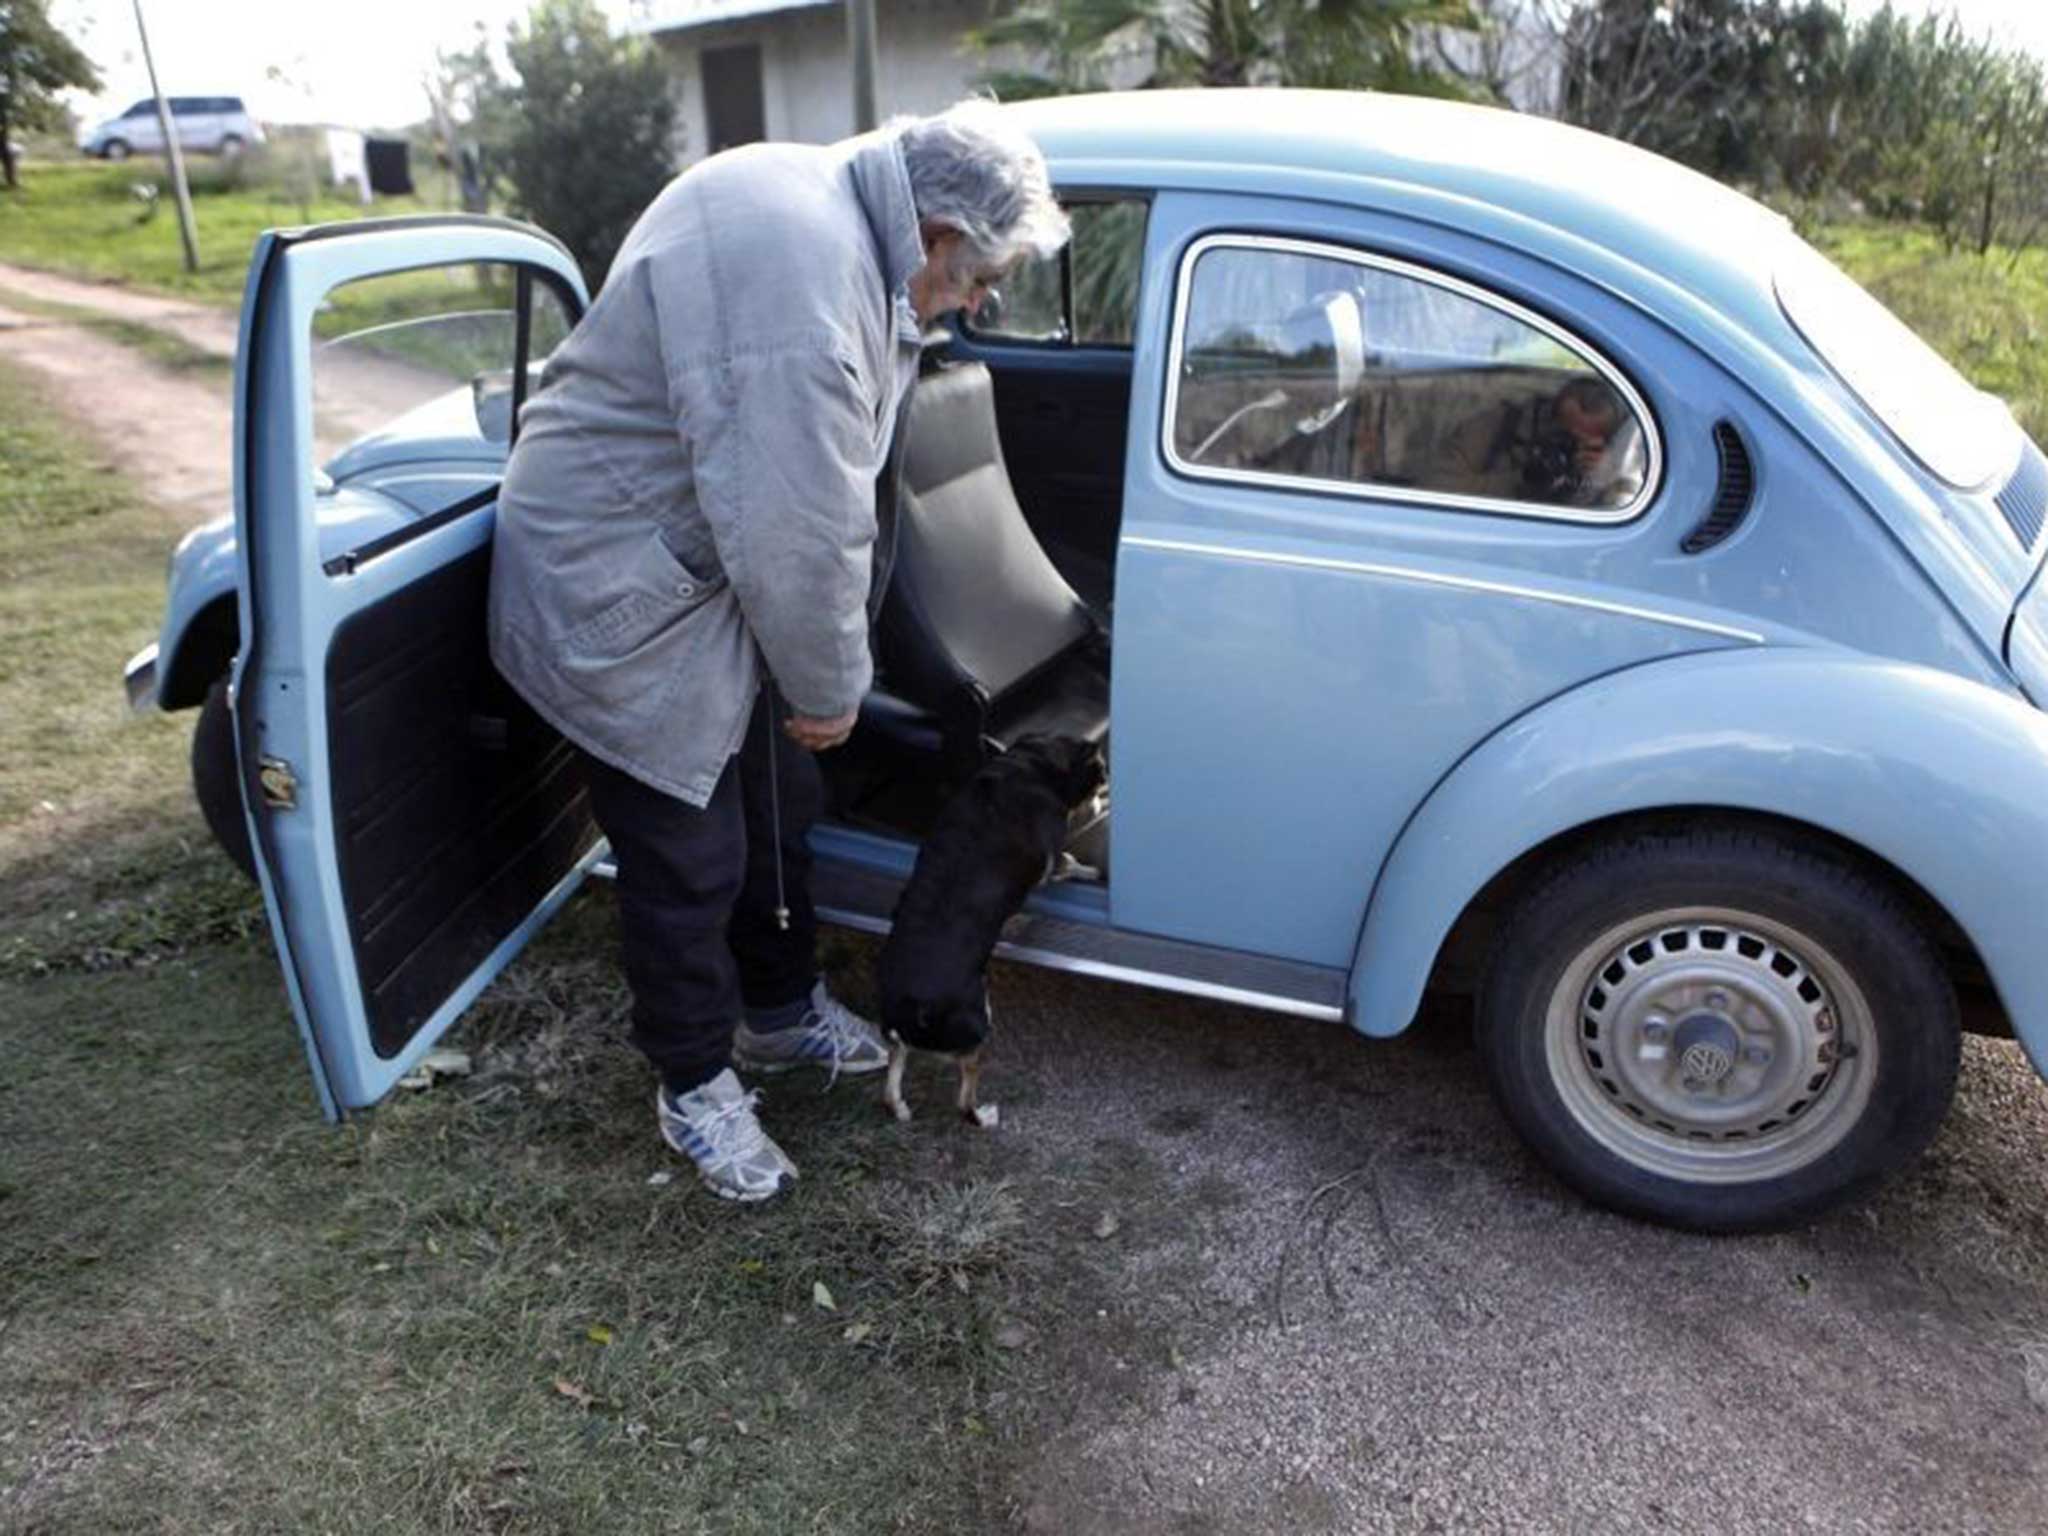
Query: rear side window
{"type": "Point", "coordinates": [228, 104]}
{"type": "Point", "coordinates": [1297, 362]}
{"type": "Point", "coordinates": [1086, 295]}
{"type": "Point", "coordinates": [1961, 433]}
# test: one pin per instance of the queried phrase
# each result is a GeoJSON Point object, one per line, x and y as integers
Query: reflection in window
{"type": "Point", "coordinates": [1314, 367]}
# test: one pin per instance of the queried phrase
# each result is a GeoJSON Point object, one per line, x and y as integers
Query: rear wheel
{"type": "Point", "coordinates": [230, 146]}
{"type": "Point", "coordinates": [115, 149]}
{"type": "Point", "coordinates": [1722, 1030]}
{"type": "Point", "coordinates": [216, 780]}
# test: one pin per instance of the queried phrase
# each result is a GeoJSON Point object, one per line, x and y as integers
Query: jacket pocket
{"type": "Point", "coordinates": [631, 652]}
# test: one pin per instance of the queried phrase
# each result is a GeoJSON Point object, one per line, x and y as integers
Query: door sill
{"type": "Point", "coordinates": [864, 898]}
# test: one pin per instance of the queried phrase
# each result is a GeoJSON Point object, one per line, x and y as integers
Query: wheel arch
{"type": "Point", "coordinates": [1864, 755]}
{"type": "Point", "coordinates": [203, 651]}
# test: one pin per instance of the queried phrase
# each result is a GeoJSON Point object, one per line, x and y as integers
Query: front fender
{"type": "Point", "coordinates": [1944, 778]}
{"type": "Point", "coordinates": [200, 607]}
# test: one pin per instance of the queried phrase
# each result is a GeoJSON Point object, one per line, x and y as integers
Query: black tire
{"type": "Point", "coordinates": [230, 146]}
{"type": "Point", "coordinates": [1769, 994]}
{"type": "Point", "coordinates": [215, 778]}
{"type": "Point", "coordinates": [114, 149]}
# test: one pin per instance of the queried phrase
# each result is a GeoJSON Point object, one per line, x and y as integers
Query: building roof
{"type": "Point", "coordinates": [651, 16]}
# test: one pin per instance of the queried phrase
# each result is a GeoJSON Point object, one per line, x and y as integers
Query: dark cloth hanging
{"type": "Point", "coordinates": [390, 166]}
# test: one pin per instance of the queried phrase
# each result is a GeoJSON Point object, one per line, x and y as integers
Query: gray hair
{"type": "Point", "coordinates": [973, 170]}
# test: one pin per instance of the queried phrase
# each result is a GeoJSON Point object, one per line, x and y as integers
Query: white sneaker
{"type": "Point", "coordinates": [714, 1126]}
{"type": "Point", "coordinates": [831, 1035]}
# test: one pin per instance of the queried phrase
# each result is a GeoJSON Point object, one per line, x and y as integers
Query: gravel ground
{"type": "Point", "coordinates": [1347, 1299]}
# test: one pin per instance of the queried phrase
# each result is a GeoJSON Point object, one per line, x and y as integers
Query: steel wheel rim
{"type": "Point", "coordinates": [1710, 1045]}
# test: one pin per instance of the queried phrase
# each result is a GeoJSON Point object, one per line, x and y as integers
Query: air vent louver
{"type": "Point", "coordinates": [1731, 497]}
{"type": "Point", "coordinates": [2024, 501]}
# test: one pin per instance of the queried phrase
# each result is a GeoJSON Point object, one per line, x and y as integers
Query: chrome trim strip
{"type": "Point", "coordinates": [1443, 579]}
{"type": "Point", "coordinates": [1653, 442]}
{"type": "Point", "coordinates": [1052, 960]}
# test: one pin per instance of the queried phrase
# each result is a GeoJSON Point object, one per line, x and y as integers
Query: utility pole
{"type": "Point", "coordinates": [860, 41]}
{"type": "Point", "coordinates": [172, 150]}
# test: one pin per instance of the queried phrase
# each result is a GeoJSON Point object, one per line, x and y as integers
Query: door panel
{"type": "Point", "coordinates": [414, 824]}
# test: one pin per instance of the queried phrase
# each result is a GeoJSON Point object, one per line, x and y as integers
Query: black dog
{"type": "Point", "coordinates": [995, 840]}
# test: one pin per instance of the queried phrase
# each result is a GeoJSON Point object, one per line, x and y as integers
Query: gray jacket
{"type": "Point", "coordinates": [693, 489]}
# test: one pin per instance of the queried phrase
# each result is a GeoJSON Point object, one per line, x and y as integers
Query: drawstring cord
{"type": "Point", "coordinates": [775, 805]}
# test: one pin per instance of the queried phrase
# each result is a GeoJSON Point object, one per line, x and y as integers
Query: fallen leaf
{"type": "Point", "coordinates": [960, 1281]}
{"type": "Point", "coordinates": [1012, 1335]}
{"type": "Point", "coordinates": [973, 1426]}
{"type": "Point", "coordinates": [751, 1266]}
{"type": "Point", "coordinates": [597, 1333]}
{"type": "Point", "coordinates": [1802, 1284]}
{"type": "Point", "coordinates": [1107, 1224]}
{"type": "Point", "coordinates": [822, 1295]}
{"type": "Point", "coordinates": [699, 1445]}
{"type": "Point", "coordinates": [581, 1396]}
{"type": "Point", "coordinates": [855, 1332]}
{"type": "Point", "coordinates": [661, 1178]}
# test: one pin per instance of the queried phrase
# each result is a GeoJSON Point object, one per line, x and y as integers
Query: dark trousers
{"type": "Point", "coordinates": [697, 898]}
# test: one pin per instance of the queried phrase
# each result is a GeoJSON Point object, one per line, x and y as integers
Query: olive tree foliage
{"type": "Point", "coordinates": [1066, 46]}
{"type": "Point", "coordinates": [577, 132]}
{"type": "Point", "coordinates": [36, 62]}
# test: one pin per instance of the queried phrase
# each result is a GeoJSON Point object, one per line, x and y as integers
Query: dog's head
{"type": "Point", "coordinates": [1072, 767]}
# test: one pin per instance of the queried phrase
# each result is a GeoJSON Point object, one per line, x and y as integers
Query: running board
{"type": "Point", "coordinates": [865, 899]}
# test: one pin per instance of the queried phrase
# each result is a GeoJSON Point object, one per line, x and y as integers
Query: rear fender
{"type": "Point", "coordinates": [1943, 778]}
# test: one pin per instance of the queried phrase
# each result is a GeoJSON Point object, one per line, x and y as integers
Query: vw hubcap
{"type": "Point", "coordinates": [1710, 1045]}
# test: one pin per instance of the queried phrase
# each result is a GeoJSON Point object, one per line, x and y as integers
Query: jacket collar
{"type": "Point", "coordinates": [880, 180]}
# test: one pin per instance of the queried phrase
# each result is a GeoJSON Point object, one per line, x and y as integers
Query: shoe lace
{"type": "Point", "coordinates": [732, 1129]}
{"type": "Point", "coordinates": [840, 1028]}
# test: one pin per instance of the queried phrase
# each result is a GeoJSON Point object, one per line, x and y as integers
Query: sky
{"type": "Point", "coordinates": [360, 63]}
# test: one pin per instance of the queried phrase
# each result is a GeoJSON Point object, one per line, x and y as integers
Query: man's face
{"type": "Point", "coordinates": [934, 290]}
{"type": "Point", "coordinates": [1591, 429]}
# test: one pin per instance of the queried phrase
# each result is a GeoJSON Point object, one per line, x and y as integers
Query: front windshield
{"type": "Point", "coordinates": [1959, 432]}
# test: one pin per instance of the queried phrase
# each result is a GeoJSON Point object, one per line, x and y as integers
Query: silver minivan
{"type": "Point", "coordinates": [213, 124]}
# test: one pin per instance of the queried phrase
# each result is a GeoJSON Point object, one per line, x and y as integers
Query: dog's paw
{"type": "Point", "coordinates": [900, 1110]}
{"type": "Point", "coordinates": [986, 1116]}
{"type": "Point", "coordinates": [1067, 867]}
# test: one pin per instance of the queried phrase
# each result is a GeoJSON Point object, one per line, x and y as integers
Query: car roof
{"type": "Point", "coordinates": [1537, 183]}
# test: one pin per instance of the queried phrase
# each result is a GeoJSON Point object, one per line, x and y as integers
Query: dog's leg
{"type": "Point", "coordinates": [1067, 867]}
{"type": "Point", "coordinates": [892, 1087]}
{"type": "Point", "coordinates": [970, 1085]}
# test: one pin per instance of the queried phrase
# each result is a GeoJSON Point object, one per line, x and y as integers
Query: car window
{"type": "Point", "coordinates": [140, 109]}
{"type": "Point", "coordinates": [228, 104]}
{"type": "Point", "coordinates": [433, 347]}
{"type": "Point", "coordinates": [1086, 295]}
{"type": "Point", "coordinates": [1963, 434]}
{"type": "Point", "coordinates": [1307, 362]}
{"type": "Point", "coordinates": [188, 106]}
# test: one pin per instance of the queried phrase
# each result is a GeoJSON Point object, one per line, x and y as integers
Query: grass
{"type": "Point", "coordinates": [84, 219]}
{"type": "Point", "coordinates": [475, 1309]}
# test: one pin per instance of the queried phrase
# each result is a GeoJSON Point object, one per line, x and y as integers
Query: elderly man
{"type": "Point", "coordinates": [687, 564]}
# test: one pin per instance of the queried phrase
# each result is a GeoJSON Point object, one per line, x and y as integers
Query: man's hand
{"type": "Point", "coordinates": [814, 734]}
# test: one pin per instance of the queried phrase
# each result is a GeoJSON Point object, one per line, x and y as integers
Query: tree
{"type": "Point", "coordinates": [36, 61]}
{"type": "Point", "coordinates": [588, 128]}
{"type": "Point", "coordinates": [1090, 45]}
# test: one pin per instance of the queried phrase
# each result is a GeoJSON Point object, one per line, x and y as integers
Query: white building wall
{"type": "Point", "coordinates": [807, 81]}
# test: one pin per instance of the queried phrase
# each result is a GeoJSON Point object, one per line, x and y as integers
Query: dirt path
{"type": "Point", "coordinates": [174, 429]}
{"type": "Point", "coordinates": [204, 326]}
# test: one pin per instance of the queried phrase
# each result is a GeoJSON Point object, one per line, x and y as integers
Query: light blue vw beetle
{"type": "Point", "coordinates": [1512, 563]}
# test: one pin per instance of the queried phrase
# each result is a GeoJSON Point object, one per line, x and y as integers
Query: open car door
{"type": "Point", "coordinates": [412, 822]}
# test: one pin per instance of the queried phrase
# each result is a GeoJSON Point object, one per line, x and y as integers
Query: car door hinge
{"type": "Point", "coordinates": [280, 784]}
